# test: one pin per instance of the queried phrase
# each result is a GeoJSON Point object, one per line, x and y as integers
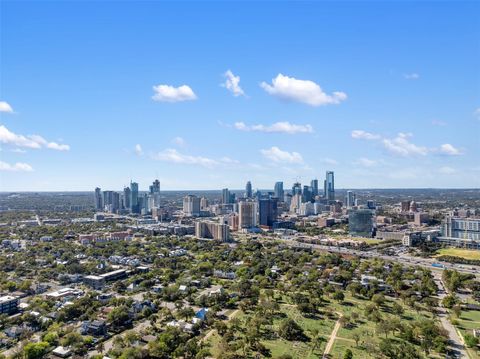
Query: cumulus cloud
{"type": "Point", "coordinates": [364, 135]}
{"type": "Point", "coordinates": [167, 93]}
{"type": "Point", "coordinates": [449, 150]}
{"type": "Point", "coordinates": [232, 84]}
{"type": "Point", "coordinates": [411, 76]}
{"type": "Point", "coordinates": [275, 154]}
{"type": "Point", "coordinates": [174, 156]}
{"type": "Point", "coordinates": [305, 91]}
{"type": "Point", "coordinates": [401, 146]}
{"type": "Point", "coordinates": [179, 141]}
{"type": "Point", "coordinates": [366, 162]}
{"type": "Point", "coordinates": [447, 170]}
{"type": "Point", "coordinates": [31, 141]}
{"type": "Point", "coordinates": [277, 127]}
{"type": "Point", "coordinates": [17, 167]}
{"type": "Point", "coordinates": [138, 150]}
{"type": "Point", "coordinates": [5, 107]}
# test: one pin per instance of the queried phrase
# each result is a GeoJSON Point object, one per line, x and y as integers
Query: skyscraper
{"type": "Point", "coordinates": [350, 199]}
{"type": "Point", "coordinates": [226, 196]}
{"type": "Point", "coordinates": [134, 203]}
{"type": "Point", "coordinates": [267, 211]}
{"type": "Point", "coordinates": [307, 194]}
{"type": "Point", "coordinates": [191, 206]}
{"type": "Point", "coordinates": [248, 190]}
{"type": "Point", "coordinates": [314, 186]}
{"type": "Point", "coordinates": [155, 193]}
{"type": "Point", "coordinates": [329, 186]}
{"type": "Point", "coordinates": [126, 198]}
{"type": "Point", "coordinates": [247, 212]}
{"type": "Point", "coordinates": [278, 190]}
{"type": "Point", "coordinates": [98, 199]}
{"type": "Point", "coordinates": [361, 222]}
{"type": "Point", "coordinates": [296, 188]}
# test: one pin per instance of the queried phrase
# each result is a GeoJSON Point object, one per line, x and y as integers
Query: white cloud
{"type": "Point", "coordinates": [275, 154]}
{"type": "Point", "coordinates": [138, 150]}
{"type": "Point", "coordinates": [447, 170]}
{"type": "Point", "coordinates": [277, 127]}
{"type": "Point", "coordinates": [329, 161]}
{"type": "Point", "coordinates": [31, 141]}
{"type": "Point", "coordinates": [232, 84]}
{"type": "Point", "coordinates": [179, 141]}
{"type": "Point", "coordinates": [364, 135]}
{"type": "Point", "coordinates": [5, 107]}
{"type": "Point", "coordinates": [17, 167]}
{"type": "Point", "coordinates": [173, 156]}
{"type": "Point", "coordinates": [401, 146]}
{"type": "Point", "coordinates": [439, 123]}
{"type": "Point", "coordinates": [166, 93]}
{"type": "Point", "coordinates": [366, 162]}
{"type": "Point", "coordinates": [305, 91]}
{"type": "Point", "coordinates": [448, 150]}
{"type": "Point", "coordinates": [477, 113]}
{"type": "Point", "coordinates": [411, 76]}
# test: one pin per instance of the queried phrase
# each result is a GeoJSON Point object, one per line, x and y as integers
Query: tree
{"type": "Point", "coordinates": [397, 309]}
{"type": "Point", "coordinates": [338, 296]}
{"type": "Point", "coordinates": [118, 317]}
{"type": "Point", "coordinates": [470, 340]}
{"type": "Point", "coordinates": [290, 330]}
{"type": "Point", "coordinates": [356, 337]}
{"type": "Point", "coordinates": [35, 350]}
{"type": "Point", "coordinates": [348, 354]}
{"type": "Point", "coordinates": [457, 310]}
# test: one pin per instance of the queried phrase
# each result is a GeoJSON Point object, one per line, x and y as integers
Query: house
{"type": "Point", "coordinates": [201, 314]}
{"type": "Point", "coordinates": [95, 327]}
{"type": "Point", "coordinates": [182, 288]}
{"type": "Point", "coordinates": [62, 352]}
{"type": "Point", "coordinates": [157, 288]}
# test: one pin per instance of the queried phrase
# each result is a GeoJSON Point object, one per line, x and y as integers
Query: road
{"type": "Point", "coordinates": [403, 258]}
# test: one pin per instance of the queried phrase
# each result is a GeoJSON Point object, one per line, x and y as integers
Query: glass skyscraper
{"type": "Point", "coordinates": [329, 186]}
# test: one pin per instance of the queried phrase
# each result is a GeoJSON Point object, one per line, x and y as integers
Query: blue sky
{"type": "Point", "coordinates": [98, 93]}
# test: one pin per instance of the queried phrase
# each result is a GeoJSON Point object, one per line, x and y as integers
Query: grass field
{"type": "Point", "coordinates": [469, 320]}
{"type": "Point", "coordinates": [458, 252]}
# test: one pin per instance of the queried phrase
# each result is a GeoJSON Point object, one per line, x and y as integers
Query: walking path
{"type": "Point", "coordinates": [333, 336]}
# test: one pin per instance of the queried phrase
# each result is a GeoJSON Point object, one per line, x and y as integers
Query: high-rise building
{"type": "Point", "coordinates": [98, 199]}
{"type": "Point", "coordinates": [226, 197]}
{"type": "Point", "coordinates": [247, 211]}
{"type": "Point", "coordinates": [314, 186]}
{"type": "Point", "coordinates": [307, 194]}
{"type": "Point", "coordinates": [278, 191]}
{"type": "Point", "coordinates": [350, 199]}
{"type": "Point", "coordinates": [134, 202]}
{"type": "Point", "coordinates": [329, 186]}
{"type": "Point", "coordinates": [267, 211]}
{"type": "Point", "coordinates": [155, 194]}
{"type": "Point", "coordinates": [111, 201]}
{"type": "Point", "coordinates": [248, 190]}
{"type": "Point", "coordinates": [212, 230]}
{"type": "Point", "coordinates": [204, 204]}
{"type": "Point", "coordinates": [191, 206]}
{"type": "Point", "coordinates": [296, 188]}
{"type": "Point", "coordinates": [361, 222]}
{"type": "Point", "coordinates": [126, 198]}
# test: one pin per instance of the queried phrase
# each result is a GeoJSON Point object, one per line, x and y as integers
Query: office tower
{"type": "Point", "coordinates": [126, 198]}
{"type": "Point", "coordinates": [306, 209]}
{"type": "Point", "coordinates": [267, 211]}
{"type": "Point", "coordinates": [212, 230]}
{"type": "Point", "coordinates": [314, 186]}
{"type": "Point", "coordinates": [405, 206]}
{"type": "Point", "coordinates": [247, 211]}
{"type": "Point", "coordinates": [226, 196]}
{"type": "Point", "coordinates": [371, 204]}
{"type": "Point", "coordinates": [329, 186]}
{"type": "Point", "coordinates": [361, 222]}
{"type": "Point", "coordinates": [155, 194]}
{"type": "Point", "coordinates": [413, 206]}
{"type": "Point", "coordinates": [307, 195]}
{"type": "Point", "coordinates": [278, 190]}
{"type": "Point", "coordinates": [296, 188]}
{"type": "Point", "coordinates": [295, 203]}
{"type": "Point", "coordinates": [461, 232]}
{"type": "Point", "coordinates": [350, 199]}
{"type": "Point", "coordinates": [248, 190]}
{"type": "Point", "coordinates": [134, 202]}
{"type": "Point", "coordinates": [204, 204]}
{"type": "Point", "coordinates": [111, 201]}
{"type": "Point", "coordinates": [191, 206]}
{"type": "Point", "coordinates": [287, 198]}
{"type": "Point", "coordinates": [98, 199]}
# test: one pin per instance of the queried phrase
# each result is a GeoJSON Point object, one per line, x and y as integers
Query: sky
{"type": "Point", "coordinates": [207, 95]}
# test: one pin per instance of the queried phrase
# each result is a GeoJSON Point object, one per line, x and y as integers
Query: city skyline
{"type": "Point", "coordinates": [218, 104]}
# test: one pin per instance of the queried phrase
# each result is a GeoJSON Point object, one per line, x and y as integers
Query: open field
{"type": "Point", "coordinates": [458, 252]}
